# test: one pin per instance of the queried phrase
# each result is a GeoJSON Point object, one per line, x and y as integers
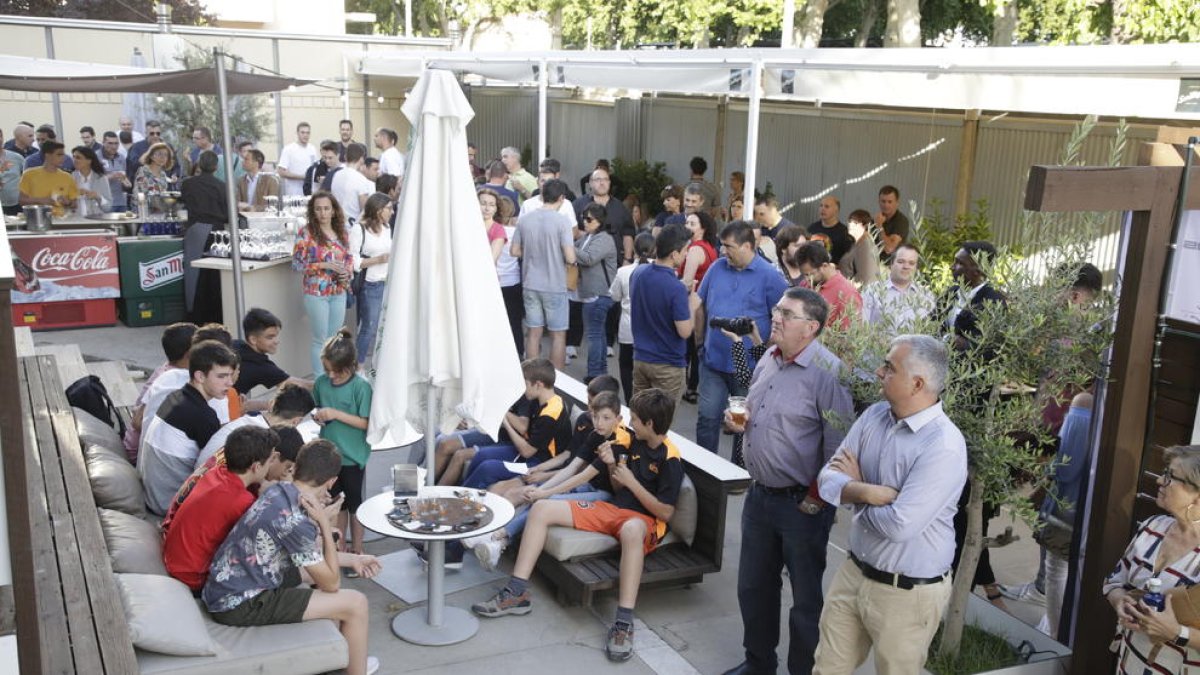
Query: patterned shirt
{"type": "Point", "coordinates": [1135, 651]}
{"type": "Point", "coordinates": [275, 534]}
{"type": "Point", "coordinates": [308, 255]}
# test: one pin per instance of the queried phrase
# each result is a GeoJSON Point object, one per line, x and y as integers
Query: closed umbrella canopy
{"type": "Point", "coordinates": [443, 321]}
{"type": "Point", "coordinates": [22, 73]}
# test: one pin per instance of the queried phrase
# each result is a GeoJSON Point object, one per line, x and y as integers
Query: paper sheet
{"type": "Point", "coordinates": [517, 467]}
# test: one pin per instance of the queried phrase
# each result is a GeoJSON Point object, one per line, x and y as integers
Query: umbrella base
{"type": "Point", "coordinates": [413, 626]}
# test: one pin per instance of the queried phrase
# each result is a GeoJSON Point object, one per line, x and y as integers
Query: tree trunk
{"type": "Point", "coordinates": [1004, 25]}
{"type": "Point", "coordinates": [1120, 30]}
{"type": "Point", "coordinates": [903, 24]}
{"type": "Point", "coordinates": [812, 21]}
{"type": "Point", "coordinates": [870, 15]}
{"type": "Point", "coordinates": [956, 613]}
{"type": "Point", "coordinates": [556, 26]}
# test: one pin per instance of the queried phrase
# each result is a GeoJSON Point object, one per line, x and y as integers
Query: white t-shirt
{"type": "Point", "coordinates": [508, 268]}
{"type": "Point", "coordinates": [535, 202]}
{"type": "Point", "coordinates": [347, 185]}
{"type": "Point", "coordinates": [296, 158]}
{"type": "Point", "coordinates": [218, 439]}
{"type": "Point", "coordinates": [392, 162]}
{"type": "Point", "coordinates": [371, 246]}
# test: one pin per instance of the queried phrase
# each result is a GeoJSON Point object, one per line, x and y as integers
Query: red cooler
{"type": "Point", "coordinates": [65, 280]}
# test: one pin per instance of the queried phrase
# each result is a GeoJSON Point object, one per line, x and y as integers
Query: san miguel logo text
{"type": "Point", "coordinates": [81, 262]}
{"type": "Point", "coordinates": [160, 272]}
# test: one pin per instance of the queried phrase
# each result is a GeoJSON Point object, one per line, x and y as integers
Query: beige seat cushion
{"type": "Point", "coordinates": [116, 484]}
{"type": "Point", "coordinates": [291, 649]}
{"type": "Point", "coordinates": [565, 543]}
{"type": "Point", "coordinates": [163, 616]}
{"type": "Point", "coordinates": [92, 430]}
{"type": "Point", "coordinates": [91, 450]}
{"type": "Point", "coordinates": [134, 545]}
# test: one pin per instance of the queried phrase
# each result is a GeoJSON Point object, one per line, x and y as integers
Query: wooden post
{"type": "Point", "coordinates": [1150, 193]}
{"type": "Point", "coordinates": [966, 163]}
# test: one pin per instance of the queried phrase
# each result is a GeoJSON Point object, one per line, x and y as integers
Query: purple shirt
{"type": "Point", "coordinates": [789, 435]}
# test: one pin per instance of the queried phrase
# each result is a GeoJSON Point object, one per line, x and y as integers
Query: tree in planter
{"type": "Point", "coordinates": [1036, 339]}
{"type": "Point", "coordinates": [643, 179]}
{"type": "Point", "coordinates": [181, 113]}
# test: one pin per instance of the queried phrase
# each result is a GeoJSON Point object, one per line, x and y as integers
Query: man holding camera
{"type": "Point", "coordinates": [739, 285]}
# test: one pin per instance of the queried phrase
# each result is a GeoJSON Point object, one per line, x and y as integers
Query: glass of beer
{"type": "Point", "coordinates": [737, 410]}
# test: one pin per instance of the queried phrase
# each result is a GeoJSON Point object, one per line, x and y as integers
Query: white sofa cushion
{"type": "Point", "coordinates": [134, 545]}
{"type": "Point", "coordinates": [163, 616]}
{"type": "Point", "coordinates": [565, 543]}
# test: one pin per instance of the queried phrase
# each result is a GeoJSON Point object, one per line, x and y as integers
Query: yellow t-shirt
{"type": "Point", "coordinates": [39, 183]}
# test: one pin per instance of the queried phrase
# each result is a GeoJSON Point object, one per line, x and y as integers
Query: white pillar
{"type": "Point", "coordinates": [788, 33]}
{"type": "Point", "coordinates": [543, 85]}
{"type": "Point", "coordinates": [752, 137]}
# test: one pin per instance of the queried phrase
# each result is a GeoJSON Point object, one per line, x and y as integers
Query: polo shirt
{"type": "Point", "coordinates": [659, 470]}
{"type": "Point", "coordinates": [549, 430]}
{"type": "Point", "coordinates": [183, 425]}
{"type": "Point", "coordinates": [729, 293]}
{"type": "Point", "coordinates": [621, 440]}
{"type": "Point", "coordinates": [202, 524]}
{"type": "Point", "coordinates": [657, 301]}
{"type": "Point", "coordinates": [256, 369]}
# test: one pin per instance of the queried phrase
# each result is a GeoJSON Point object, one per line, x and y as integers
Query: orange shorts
{"type": "Point", "coordinates": [605, 518]}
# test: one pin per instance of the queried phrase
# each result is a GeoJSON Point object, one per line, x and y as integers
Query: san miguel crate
{"type": "Point", "coordinates": [151, 280]}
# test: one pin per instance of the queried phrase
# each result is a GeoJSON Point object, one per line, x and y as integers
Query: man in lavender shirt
{"type": "Point", "coordinates": [797, 411]}
{"type": "Point", "coordinates": [900, 469]}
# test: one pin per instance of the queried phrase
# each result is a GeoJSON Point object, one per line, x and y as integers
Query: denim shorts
{"type": "Point", "coordinates": [545, 309]}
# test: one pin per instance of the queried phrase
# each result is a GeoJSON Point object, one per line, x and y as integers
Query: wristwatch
{"type": "Point", "coordinates": [809, 507]}
{"type": "Point", "coordinates": [1181, 640]}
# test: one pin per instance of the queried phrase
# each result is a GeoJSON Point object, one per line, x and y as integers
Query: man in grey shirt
{"type": "Point", "coordinates": [797, 410]}
{"type": "Point", "coordinates": [544, 243]}
{"type": "Point", "coordinates": [900, 469]}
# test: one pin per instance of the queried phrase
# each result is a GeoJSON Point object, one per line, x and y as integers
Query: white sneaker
{"type": "Point", "coordinates": [1027, 592]}
{"type": "Point", "coordinates": [372, 665]}
{"type": "Point", "coordinates": [488, 552]}
{"type": "Point", "coordinates": [572, 353]}
{"type": "Point", "coordinates": [610, 352]}
{"type": "Point", "coordinates": [472, 542]}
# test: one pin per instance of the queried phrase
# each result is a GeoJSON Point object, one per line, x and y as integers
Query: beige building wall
{"type": "Point", "coordinates": [299, 56]}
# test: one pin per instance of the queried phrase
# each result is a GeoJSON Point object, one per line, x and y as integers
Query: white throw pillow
{"type": "Point", "coordinates": [163, 616]}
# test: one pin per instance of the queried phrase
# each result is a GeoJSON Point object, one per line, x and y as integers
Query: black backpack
{"type": "Point", "coordinates": [88, 393]}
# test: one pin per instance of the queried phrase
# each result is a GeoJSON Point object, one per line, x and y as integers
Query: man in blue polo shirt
{"type": "Point", "coordinates": [662, 314]}
{"type": "Point", "coordinates": [740, 284]}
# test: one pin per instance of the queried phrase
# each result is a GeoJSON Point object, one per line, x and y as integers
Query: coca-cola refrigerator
{"type": "Point", "coordinates": [65, 280]}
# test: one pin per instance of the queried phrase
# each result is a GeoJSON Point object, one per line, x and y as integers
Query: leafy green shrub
{"type": "Point", "coordinates": [643, 179]}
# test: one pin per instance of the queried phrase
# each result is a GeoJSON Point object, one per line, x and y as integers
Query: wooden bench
{"type": "Point", "coordinates": [79, 623]}
{"type": "Point", "coordinates": [577, 580]}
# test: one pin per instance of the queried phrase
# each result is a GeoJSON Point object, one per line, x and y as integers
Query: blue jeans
{"type": "Point", "coordinates": [370, 302]}
{"type": "Point", "coordinates": [326, 314]}
{"type": "Point", "coordinates": [583, 493]}
{"type": "Point", "coordinates": [595, 316]}
{"type": "Point", "coordinates": [487, 466]}
{"type": "Point", "coordinates": [775, 533]}
{"type": "Point", "coordinates": [715, 389]}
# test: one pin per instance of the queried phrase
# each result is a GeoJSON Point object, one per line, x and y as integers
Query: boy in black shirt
{"type": "Point", "coordinates": [262, 339]}
{"type": "Point", "coordinates": [646, 481]}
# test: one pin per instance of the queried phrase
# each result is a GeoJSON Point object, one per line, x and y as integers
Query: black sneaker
{"type": "Point", "coordinates": [619, 646]}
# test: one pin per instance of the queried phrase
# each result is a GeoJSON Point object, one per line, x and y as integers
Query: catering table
{"type": "Point", "coordinates": [274, 286]}
{"type": "Point", "coordinates": [435, 624]}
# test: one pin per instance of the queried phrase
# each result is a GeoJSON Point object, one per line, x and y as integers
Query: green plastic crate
{"type": "Point", "coordinates": [151, 310]}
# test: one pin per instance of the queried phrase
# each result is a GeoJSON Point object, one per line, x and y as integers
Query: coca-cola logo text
{"type": "Point", "coordinates": [83, 259]}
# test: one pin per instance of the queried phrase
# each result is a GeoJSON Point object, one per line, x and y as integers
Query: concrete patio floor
{"type": "Point", "coordinates": [680, 630]}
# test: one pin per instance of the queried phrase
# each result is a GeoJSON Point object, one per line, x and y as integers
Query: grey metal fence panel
{"type": "Point", "coordinates": [677, 130]}
{"type": "Point", "coordinates": [580, 133]}
{"type": "Point", "coordinates": [503, 116]}
{"type": "Point", "coordinates": [630, 136]}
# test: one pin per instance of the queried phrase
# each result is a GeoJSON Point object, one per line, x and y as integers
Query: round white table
{"type": "Point", "coordinates": [436, 625]}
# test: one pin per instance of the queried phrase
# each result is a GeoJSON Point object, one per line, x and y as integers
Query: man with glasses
{"type": "Point", "coordinates": [797, 410]}
{"type": "Point", "coordinates": [618, 222]}
{"type": "Point", "coordinates": [113, 159]}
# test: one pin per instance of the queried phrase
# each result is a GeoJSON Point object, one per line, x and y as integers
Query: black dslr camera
{"type": "Point", "coordinates": [738, 325]}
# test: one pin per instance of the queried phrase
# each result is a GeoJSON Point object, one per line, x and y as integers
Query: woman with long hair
{"type": "Point", "coordinates": [701, 253]}
{"type": "Point", "coordinates": [371, 244]}
{"type": "Point", "coordinates": [89, 177]}
{"type": "Point", "coordinates": [508, 268]}
{"type": "Point", "coordinates": [489, 208]}
{"type": "Point", "coordinates": [322, 253]}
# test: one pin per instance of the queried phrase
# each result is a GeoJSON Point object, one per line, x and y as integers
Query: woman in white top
{"type": "Point", "coordinates": [95, 194]}
{"type": "Point", "coordinates": [508, 268]}
{"type": "Point", "coordinates": [371, 245]}
{"type": "Point", "coordinates": [643, 248]}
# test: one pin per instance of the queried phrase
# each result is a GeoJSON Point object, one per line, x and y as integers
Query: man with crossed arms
{"type": "Point", "coordinates": [900, 469]}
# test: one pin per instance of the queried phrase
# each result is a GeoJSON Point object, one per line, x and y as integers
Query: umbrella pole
{"type": "Point", "coordinates": [437, 549]}
{"type": "Point", "coordinates": [239, 298]}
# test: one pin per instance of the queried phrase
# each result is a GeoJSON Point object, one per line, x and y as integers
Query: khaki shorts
{"type": "Point", "coordinates": [668, 378]}
{"type": "Point", "coordinates": [285, 604]}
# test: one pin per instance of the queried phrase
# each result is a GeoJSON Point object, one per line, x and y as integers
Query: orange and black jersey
{"type": "Point", "coordinates": [621, 440]}
{"type": "Point", "coordinates": [550, 429]}
{"type": "Point", "coordinates": [660, 471]}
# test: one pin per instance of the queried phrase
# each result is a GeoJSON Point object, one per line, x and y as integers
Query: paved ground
{"type": "Point", "coordinates": [684, 630]}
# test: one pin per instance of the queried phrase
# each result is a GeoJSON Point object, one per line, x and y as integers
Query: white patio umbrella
{"type": "Point", "coordinates": [444, 350]}
{"type": "Point", "coordinates": [134, 105]}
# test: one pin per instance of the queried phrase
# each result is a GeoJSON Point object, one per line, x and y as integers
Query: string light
{"type": "Point", "coordinates": [158, 98]}
{"type": "Point", "coordinates": [370, 93]}
{"type": "Point", "coordinates": [380, 99]}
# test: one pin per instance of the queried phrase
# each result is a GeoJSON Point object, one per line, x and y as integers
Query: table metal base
{"type": "Point", "coordinates": [413, 626]}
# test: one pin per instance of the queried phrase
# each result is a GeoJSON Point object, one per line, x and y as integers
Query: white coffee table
{"type": "Point", "coordinates": [436, 624]}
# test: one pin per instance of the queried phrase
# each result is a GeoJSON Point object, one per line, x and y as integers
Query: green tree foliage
{"type": "Point", "coordinates": [184, 12]}
{"type": "Point", "coordinates": [644, 179]}
{"type": "Point", "coordinates": [181, 113]}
